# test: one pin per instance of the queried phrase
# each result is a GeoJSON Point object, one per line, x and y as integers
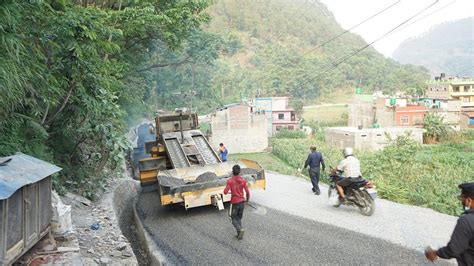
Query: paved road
{"type": "Point", "coordinates": [206, 236]}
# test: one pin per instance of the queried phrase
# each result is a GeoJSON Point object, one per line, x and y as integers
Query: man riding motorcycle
{"type": "Point", "coordinates": [350, 166]}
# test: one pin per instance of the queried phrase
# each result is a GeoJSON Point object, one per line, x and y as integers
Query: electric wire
{"type": "Point", "coordinates": [427, 15]}
{"type": "Point", "coordinates": [331, 39]}
{"type": "Point", "coordinates": [345, 58]}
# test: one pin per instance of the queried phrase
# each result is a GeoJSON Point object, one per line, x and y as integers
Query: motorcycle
{"type": "Point", "coordinates": [360, 193]}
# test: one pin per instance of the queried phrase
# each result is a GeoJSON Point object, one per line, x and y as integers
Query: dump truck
{"type": "Point", "coordinates": [184, 168]}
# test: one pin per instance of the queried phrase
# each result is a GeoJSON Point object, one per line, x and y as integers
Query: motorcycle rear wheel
{"type": "Point", "coordinates": [367, 202]}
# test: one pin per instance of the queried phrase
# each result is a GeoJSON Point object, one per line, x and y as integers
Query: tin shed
{"type": "Point", "coordinates": [25, 204]}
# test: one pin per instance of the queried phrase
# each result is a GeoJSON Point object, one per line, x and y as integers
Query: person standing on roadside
{"type": "Point", "coordinates": [236, 184]}
{"type": "Point", "coordinates": [461, 245]}
{"type": "Point", "coordinates": [314, 160]}
{"type": "Point", "coordinates": [223, 152]}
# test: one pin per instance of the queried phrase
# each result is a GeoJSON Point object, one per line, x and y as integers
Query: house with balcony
{"type": "Point", "coordinates": [445, 89]}
{"type": "Point", "coordinates": [279, 113]}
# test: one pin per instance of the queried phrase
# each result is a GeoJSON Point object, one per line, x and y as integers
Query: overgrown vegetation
{"type": "Point", "coordinates": [434, 127]}
{"type": "Point", "coordinates": [284, 133]}
{"type": "Point", "coordinates": [69, 70]}
{"type": "Point", "coordinates": [403, 172]}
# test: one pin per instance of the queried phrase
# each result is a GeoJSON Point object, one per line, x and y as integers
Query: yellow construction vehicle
{"type": "Point", "coordinates": [185, 168]}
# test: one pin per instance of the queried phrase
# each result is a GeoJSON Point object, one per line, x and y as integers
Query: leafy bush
{"type": "Point", "coordinates": [289, 134]}
{"type": "Point", "coordinates": [434, 127]}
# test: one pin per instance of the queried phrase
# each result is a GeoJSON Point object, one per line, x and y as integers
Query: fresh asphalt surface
{"type": "Point", "coordinates": [205, 235]}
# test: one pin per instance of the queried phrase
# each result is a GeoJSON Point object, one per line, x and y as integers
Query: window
{"type": "Point", "coordinates": [465, 99]}
{"type": "Point", "coordinates": [417, 119]}
{"type": "Point", "coordinates": [278, 128]}
{"type": "Point", "coordinates": [291, 127]}
{"type": "Point", "coordinates": [281, 116]}
{"type": "Point", "coordinates": [456, 89]}
{"type": "Point", "coordinates": [404, 120]}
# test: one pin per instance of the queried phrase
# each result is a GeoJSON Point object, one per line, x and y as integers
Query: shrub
{"type": "Point", "coordinates": [290, 134]}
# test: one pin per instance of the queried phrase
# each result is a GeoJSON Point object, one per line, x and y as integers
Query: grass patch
{"type": "Point", "coordinates": [268, 161]}
{"type": "Point", "coordinates": [325, 113]}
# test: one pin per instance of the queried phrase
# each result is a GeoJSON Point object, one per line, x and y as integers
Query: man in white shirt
{"type": "Point", "coordinates": [350, 166]}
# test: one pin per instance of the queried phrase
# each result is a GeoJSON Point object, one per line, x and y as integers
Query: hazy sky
{"type": "Point", "coordinates": [351, 12]}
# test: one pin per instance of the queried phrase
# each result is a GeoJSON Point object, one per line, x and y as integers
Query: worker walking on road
{"type": "Point", "coordinates": [314, 160]}
{"type": "Point", "coordinates": [236, 184]}
{"type": "Point", "coordinates": [461, 245]}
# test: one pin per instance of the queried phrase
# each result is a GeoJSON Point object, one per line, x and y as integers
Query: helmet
{"type": "Point", "coordinates": [348, 151]}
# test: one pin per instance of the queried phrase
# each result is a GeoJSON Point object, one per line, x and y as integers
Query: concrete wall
{"type": "Point", "coordinates": [385, 116]}
{"type": "Point", "coordinates": [240, 130]}
{"type": "Point", "coordinates": [280, 103]}
{"type": "Point", "coordinates": [361, 114]}
{"type": "Point", "coordinates": [438, 91]}
{"type": "Point", "coordinates": [286, 118]}
{"type": "Point", "coordinates": [367, 139]}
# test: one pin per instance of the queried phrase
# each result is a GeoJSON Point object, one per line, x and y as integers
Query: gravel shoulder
{"type": "Point", "coordinates": [409, 226]}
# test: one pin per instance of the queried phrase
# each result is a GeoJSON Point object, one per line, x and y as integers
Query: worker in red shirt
{"type": "Point", "coordinates": [236, 184]}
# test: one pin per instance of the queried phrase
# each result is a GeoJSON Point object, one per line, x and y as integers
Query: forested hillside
{"type": "Point", "coordinates": [276, 48]}
{"type": "Point", "coordinates": [75, 74]}
{"type": "Point", "coordinates": [446, 48]}
{"type": "Point", "coordinates": [272, 48]}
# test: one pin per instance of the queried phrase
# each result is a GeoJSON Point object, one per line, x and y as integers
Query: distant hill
{"type": "Point", "coordinates": [448, 48]}
{"type": "Point", "coordinates": [271, 49]}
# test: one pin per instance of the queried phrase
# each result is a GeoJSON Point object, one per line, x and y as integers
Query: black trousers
{"type": "Point", "coordinates": [237, 210]}
{"type": "Point", "coordinates": [314, 174]}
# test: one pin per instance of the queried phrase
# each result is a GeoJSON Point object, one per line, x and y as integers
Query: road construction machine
{"type": "Point", "coordinates": [184, 167]}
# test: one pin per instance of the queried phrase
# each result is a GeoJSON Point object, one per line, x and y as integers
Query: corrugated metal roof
{"type": "Point", "coordinates": [22, 170]}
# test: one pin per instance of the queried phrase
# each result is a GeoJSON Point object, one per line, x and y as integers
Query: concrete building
{"type": "Point", "coordinates": [278, 112]}
{"type": "Point", "coordinates": [410, 115]}
{"type": "Point", "coordinates": [367, 111]}
{"type": "Point", "coordinates": [449, 88]}
{"type": "Point", "coordinates": [452, 89]}
{"type": "Point", "coordinates": [361, 112]}
{"type": "Point", "coordinates": [450, 110]}
{"type": "Point", "coordinates": [368, 138]}
{"type": "Point", "coordinates": [239, 128]}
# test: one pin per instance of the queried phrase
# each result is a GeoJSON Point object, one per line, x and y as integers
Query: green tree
{"type": "Point", "coordinates": [69, 72]}
{"type": "Point", "coordinates": [434, 127]}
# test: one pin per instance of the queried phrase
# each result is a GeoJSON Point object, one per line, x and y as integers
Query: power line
{"type": "Point", "coordinates": [427, 15]}
{"type": "Point", "coordinates": [353, 27]}
{"type": "Point", "coordinates": [333, 38]}
{"type": "Point", "coordinates": [345, 58]}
